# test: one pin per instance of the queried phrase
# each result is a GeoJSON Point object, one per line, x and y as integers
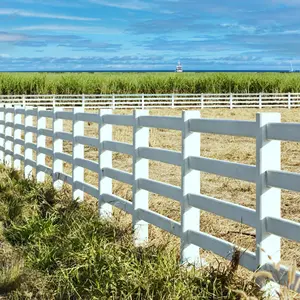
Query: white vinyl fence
{"type": "Point", "coordinates": [143, 101]}
{"type": "Point", "coordinates": [266, 174]}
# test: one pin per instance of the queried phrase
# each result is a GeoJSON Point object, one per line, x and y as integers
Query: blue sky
{"type": "Point", "coordinates": [152, 35]}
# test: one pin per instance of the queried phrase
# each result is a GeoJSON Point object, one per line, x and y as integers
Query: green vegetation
{"type": "Point", "coordinates": [107, 83]}
{"type": "Point", "coordinates": [52, 248]}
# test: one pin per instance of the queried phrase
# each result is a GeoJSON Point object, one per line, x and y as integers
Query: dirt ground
{"type": "Point", "coordinates": [235, 149]}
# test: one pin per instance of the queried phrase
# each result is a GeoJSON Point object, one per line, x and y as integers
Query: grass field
{"type": "Point", "coordinates": [120, 83]}
{"type": "Point", "coordinates": [53, 248]}
{"type": "Point", "coordinates": [235, 149]}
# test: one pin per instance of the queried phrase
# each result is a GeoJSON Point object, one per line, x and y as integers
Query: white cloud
{"type": "Point", "coordinates": [57, 3]}
{"type": "Point", "coordinates": [238, 26]}
{"type": "Point", "coordinates": [296, 31]}
{"type": "Point", "coordinates": [135, 4]}
{"type": "Point", "coordinates": [3, 55]}
{"type": "Point", "coordinates": [24, 13]}
{"type": "Point", "coordinates": [86, 29]}
{"type": "Point", "coordinates": [7, 37]}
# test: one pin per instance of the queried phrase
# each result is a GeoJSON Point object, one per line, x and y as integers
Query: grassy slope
{"type": "Point", "coordinates": [101, 83]}
{"type": "Point", "coordinates": [51, 248]}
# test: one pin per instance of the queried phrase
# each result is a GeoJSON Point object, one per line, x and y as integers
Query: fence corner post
{"type": "Point", "coordinates": [105, 161]}
{"type": "Point", "coordinates": [268, 199]}
{"type": "Point", "coordinates": [17, 139]}
{"type": "Point", "coordinates": [190, 183]}
{"type": "Point", "coordinates": [140, 169]}
{"type": "Point", "coordinates": [78, 153]}
{"type": "Point", "coordinates": [57, 147]}
{"type": "Point", "coordinates": [289, 101]}
{"type": "Point", "coordinates": [2, 133]}
{"type": "Point", "coordinates": [173, 100]}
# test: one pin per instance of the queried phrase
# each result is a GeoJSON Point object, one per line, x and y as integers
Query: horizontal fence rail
{"type": "Point", "coordinates": [16, 122]}
{"type": "Point", "coordinates": [143, 101]}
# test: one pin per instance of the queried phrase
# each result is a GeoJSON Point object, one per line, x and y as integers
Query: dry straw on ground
{"type": "Point", "coordinates": [235, 149]}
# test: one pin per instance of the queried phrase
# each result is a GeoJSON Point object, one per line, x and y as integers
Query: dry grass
{"type": "Point", "coordinates": [236, 149]}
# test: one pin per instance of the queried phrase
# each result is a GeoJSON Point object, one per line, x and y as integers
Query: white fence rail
{"type": "Point", "coordinates": [266, 174]}
{"type": "Point", "coordinates": [143, 101]}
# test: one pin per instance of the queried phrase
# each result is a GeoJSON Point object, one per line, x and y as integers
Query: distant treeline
{"type": "Point", "coordinates": [121, 83]}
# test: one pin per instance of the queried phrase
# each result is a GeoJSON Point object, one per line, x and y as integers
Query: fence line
{"type": "Point", "coordinates": [143, 101]}
{"type": "Point", "coordinates": [269, 179]}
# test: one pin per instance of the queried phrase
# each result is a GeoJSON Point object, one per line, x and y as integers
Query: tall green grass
{"type": "Point", "coordinates": [107, 83]}
{"type": "Point", "coordinates": [51, 248]}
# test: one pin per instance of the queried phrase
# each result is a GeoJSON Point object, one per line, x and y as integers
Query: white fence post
{"type": "Point", "coordinates": [143, 101]}
{"type": "Point", "coordinates": [28, 138]}
{"type": "Point", "coordinates": [105, 161]}
{"type": "Point", "coordinates": [2, 133]}
{"type": "Point", "coordinates": [173, 100]}
{"type": "Point", "coordinates": [57, 144]}
{"type": "Point", "coordinates": [8, 134]}
{"type": "Point", "coordinates": [53, 101]}
{"type": "Point", "coordinates": [40, 143]}
{"type": "Point", "coordinates": [83, 100]}
{"type": "Point", "coordinates": [140, 169]}
{"type": "Point", "coordinates": [190, 184]}
{"type": "Point", "coordinates": [24, 101]}
{"type": "Point", "coordinates": [202, 101]}
{"type": "Point", "coordinates": [78, 153]}
{"type": "Point", "coordinates": [113, 101]}
{"type": "Point", "coordinates": [17, 136]}
{"type": "Point", "coordinates": [231, 101]}
{"type": "Point", "coordinates": [268, 199]}
{"type": "Point", "coordinates": [289, 101]}
{"type": "Point", "coordinates": [260, 101]}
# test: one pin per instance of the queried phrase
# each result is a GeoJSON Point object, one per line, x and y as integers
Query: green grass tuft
{"type": "Point", "coordinates": [52, 248]}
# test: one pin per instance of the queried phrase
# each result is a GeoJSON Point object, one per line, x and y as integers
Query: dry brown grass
{"type": "Point", "coordinates": [236, 149]}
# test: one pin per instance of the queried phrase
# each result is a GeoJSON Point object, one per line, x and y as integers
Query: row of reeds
{"type": "Point", "coordinates": [120, 83]}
